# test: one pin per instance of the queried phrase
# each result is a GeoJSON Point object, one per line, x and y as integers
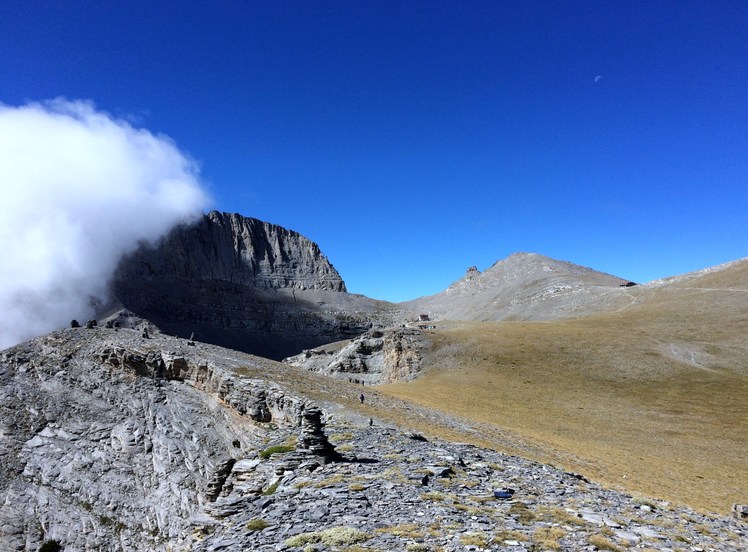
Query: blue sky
{"type": "Point", "coordinates": [414, 139]}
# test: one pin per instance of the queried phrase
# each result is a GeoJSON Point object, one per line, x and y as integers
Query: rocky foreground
{"type": "Point", "coordinates": [398, 491]}
{"type": "Point", "coordinates": [110, 440]}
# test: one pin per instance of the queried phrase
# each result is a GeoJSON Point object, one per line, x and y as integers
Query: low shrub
{"type": "Point", "coordinates": [277, 449]}
{"type": "Point", "coordinates": [256, 524]}
{"type": "Point", "coordinates": [334, 536]}
{"type": "Point", "coordinates": [338, 536]}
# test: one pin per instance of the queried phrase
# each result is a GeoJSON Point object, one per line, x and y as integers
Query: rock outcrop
{"type": "Point", "coordinates": [109, 441]}
{"type": "Point", "coordinates": [378, 356]}
{"type": "Point", "coordinates": [233, 249]}
{"type": "Point", "coordinates": [244, 284]}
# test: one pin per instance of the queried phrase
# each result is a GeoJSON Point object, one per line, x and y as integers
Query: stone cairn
{"type": "Point", "coordinates": [313, 437]}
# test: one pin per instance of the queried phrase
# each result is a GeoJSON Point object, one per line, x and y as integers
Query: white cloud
{"type": "Point", "coordinates": [78, 189]}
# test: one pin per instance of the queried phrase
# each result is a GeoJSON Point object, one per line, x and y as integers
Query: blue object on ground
{"type": "Point", "coordinates": [504, 493]}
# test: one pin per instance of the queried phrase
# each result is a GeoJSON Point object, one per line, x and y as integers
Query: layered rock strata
{"type": "Point", "coordinates": [243, 251]}
{"type": "Point", "coordinates": [378, 356]}
{"type": "Point", "coordinates": [109, 441]}
{"type": "Point", "coordinates": [313, 437]}
{"type": "Point", "coordinates": [244, 284]}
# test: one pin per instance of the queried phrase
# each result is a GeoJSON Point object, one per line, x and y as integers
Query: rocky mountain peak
{"type": "Point", "coordinates": [231, 248]}
{"type": "Point", "coordinates": [529, 265]}
{"type": "Point", "coordinates": [529, 268]}
{"type": "Point", "coordinates": [524, 286]}
{"type": "Point", "coordinates": [245, 284]}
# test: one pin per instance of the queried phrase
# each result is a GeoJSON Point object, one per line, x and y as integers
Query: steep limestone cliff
{"type": "Point", "coordinates": [236, 250]}
{"type": "Point", "coordinates": [244, 284]}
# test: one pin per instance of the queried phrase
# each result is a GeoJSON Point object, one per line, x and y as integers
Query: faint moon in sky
{"type": "Point", "coordinates": [597, 78]}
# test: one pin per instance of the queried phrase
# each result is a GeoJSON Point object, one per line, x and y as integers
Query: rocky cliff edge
{"type": "Point", "coordinates": [230, 248]}
{"type": "Point", "coordinates": [244, 284]}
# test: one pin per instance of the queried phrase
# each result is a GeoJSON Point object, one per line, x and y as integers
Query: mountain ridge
{"type": "Point", "coordinates": [257, 287]}
{"type": "Point", "coordinates": [523, 286]}
{"type": "Point", "coordinates": [239, 250]}
{"type": "Point", "coordinates": [244, 284]}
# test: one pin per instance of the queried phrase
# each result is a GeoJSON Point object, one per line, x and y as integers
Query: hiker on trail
{"type": "Point", "coordinates": [362, 398]}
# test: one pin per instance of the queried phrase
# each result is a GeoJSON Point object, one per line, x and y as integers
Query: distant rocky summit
{"type": "Point", "coordinates": [525, 286]}
{"type": "Point", "coordinates": [245, 284]}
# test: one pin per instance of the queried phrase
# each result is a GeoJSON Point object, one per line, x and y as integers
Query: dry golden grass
{"type": "Point", "coordinates": [435, 496]}
{"type": "Point", "coordinates": [407, 530]}
{"type": "Point", "coordinates": [559, 515]}
{"type": "Point", "coordinates": [330, 481]}
{"type": "Point", "coordinates": [653, 398]}
{"type": "Point", "coordinates": [603, 543]}
{"type": "Point", "coordinates": [547, 538]}
{"type": "Point", "coordinates": [522, 512]}
{"type": "Point", "coordinates": [506, 534]}
{"type": "Point", "coordinates": [340, 437]}
{"type": "Point", "coordinates": [475, 538]}
{"type": "Point", "coordinates": [656, 392]}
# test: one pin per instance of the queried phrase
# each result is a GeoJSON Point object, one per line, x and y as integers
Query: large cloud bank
{"type": "Point", "coordinates": [78, 189]}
